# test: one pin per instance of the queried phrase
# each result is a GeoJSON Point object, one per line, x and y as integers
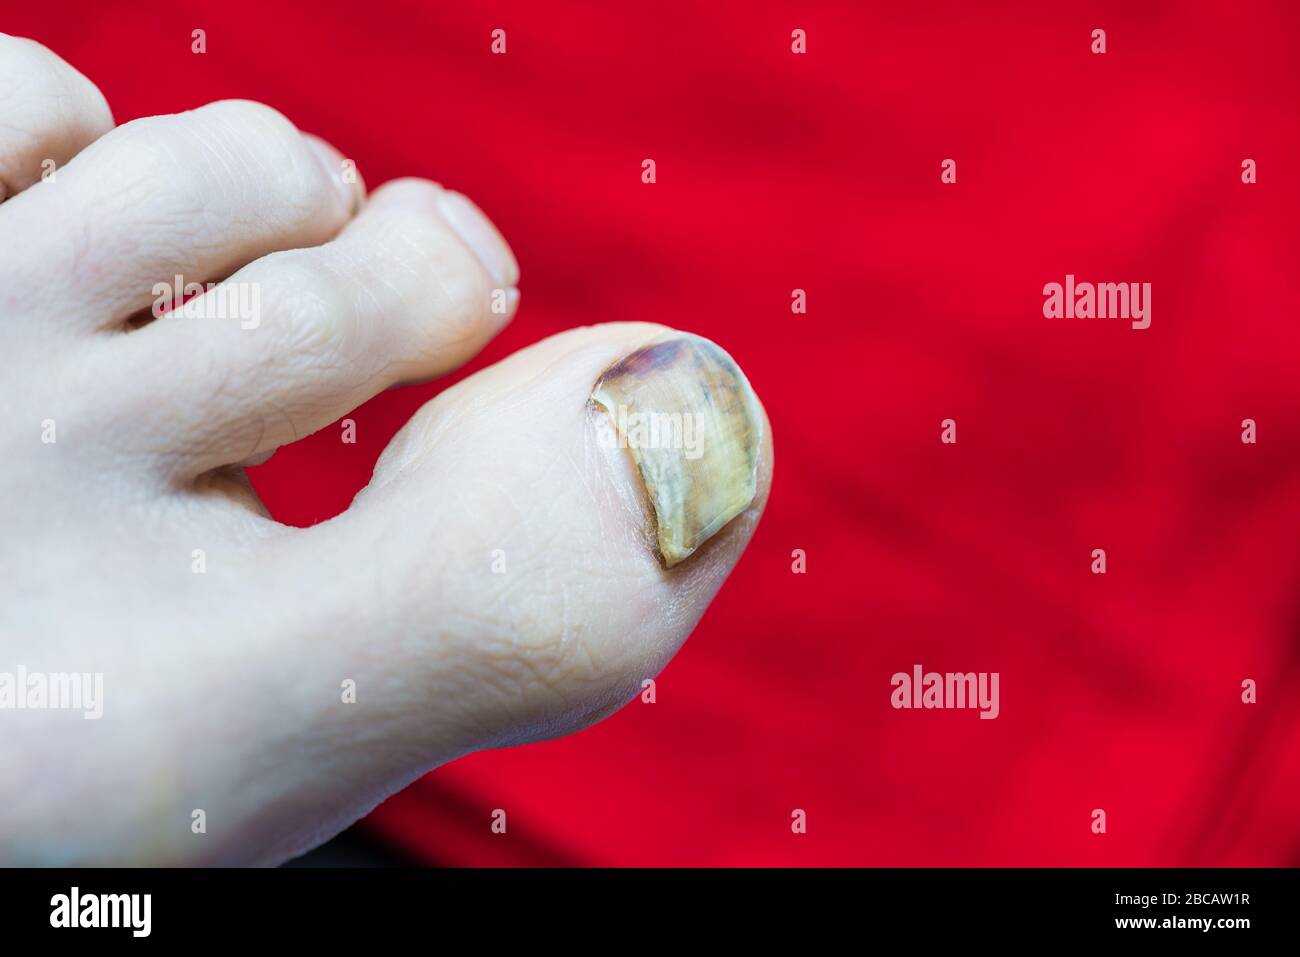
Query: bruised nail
{"type": "Point", "coordinates": [477, 232]}
{"type": "Point", "coordinates": [689, 419]}
{"type": "Point", "coordinates": [342, 172]}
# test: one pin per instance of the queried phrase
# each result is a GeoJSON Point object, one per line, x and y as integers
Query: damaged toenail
{"type": "Point", "coordinates": [688, 417]}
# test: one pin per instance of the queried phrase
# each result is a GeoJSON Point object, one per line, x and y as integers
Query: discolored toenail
{"type": "Point", "coordinates": [687, 415]}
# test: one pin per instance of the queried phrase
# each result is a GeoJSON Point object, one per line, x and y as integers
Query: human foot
{"type": "Point", "coordinates": [502, 579]}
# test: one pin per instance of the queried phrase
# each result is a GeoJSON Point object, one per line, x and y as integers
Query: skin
{"type": "Point", "coordinates": [222, 690]}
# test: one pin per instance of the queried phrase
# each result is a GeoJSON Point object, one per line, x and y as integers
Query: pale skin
{"type": "Point", "coordinates": [223, 690]}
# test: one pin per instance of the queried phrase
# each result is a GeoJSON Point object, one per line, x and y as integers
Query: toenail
{"type": "Point", "coordinates": [342, 172]}
{"type": "Point", "coordinates": [477, 232]}
{"type": "Point", "coordinates": [688, 417]}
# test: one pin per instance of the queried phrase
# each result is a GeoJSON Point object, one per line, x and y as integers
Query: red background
{"type": "Point", "coordinates": [821, 172]}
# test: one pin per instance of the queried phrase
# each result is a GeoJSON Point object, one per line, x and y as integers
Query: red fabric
{"type": "Point", "coordinates": [822, 172]}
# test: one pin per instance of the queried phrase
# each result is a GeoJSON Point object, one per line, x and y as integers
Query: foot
{"type": "Point", "coordinates": [521, 561]}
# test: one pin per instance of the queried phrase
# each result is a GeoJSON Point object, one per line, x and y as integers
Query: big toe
{"type": "Point", "coordinates": [544, 536]}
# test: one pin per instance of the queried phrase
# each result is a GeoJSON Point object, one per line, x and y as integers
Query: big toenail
{"type": "Point", "coordinates": [688, 417]}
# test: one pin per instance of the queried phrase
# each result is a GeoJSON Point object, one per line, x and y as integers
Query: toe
{"type": "Point", "coordinates": [171, 202]}
{"type": "Point", "coordinates": [415, 286]}
{"type": "Point", "coordinates": [48, 113]}
{"type": "Point", "coordinates": [515, 547]}
{"type": "Point", "coordinates": [501, 580]}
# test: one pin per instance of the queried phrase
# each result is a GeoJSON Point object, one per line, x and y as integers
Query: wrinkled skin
{"type": "Point", "coordinates": [134, 547]}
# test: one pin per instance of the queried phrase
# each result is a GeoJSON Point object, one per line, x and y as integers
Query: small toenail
{"type": "Point", "coordinates": [342, 172]}
{"type": "Point", "coordinates": [477, 232]}
{"type": "Point", "coordinates": [688, 417]}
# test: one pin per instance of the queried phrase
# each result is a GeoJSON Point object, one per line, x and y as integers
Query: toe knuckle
{"type": "Point", "coordinates": [409, 187]}
{"type": "Point", "coordinates": [30, 61]}
{"type": "Point", "coordinates": [144, 166]}
{"type": "Point", "coordinates": [311, 317]}
{"type": "Point", "coordinates": [161, 156]}
{"type": "Point", "coordinates": [265, 156]}
{"type": "Point", "coordinates": [88, 110]}
{"type": "Point", "coordinates": [41, 91]}
{"type": "Point", "coordinates": [249, 117]}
